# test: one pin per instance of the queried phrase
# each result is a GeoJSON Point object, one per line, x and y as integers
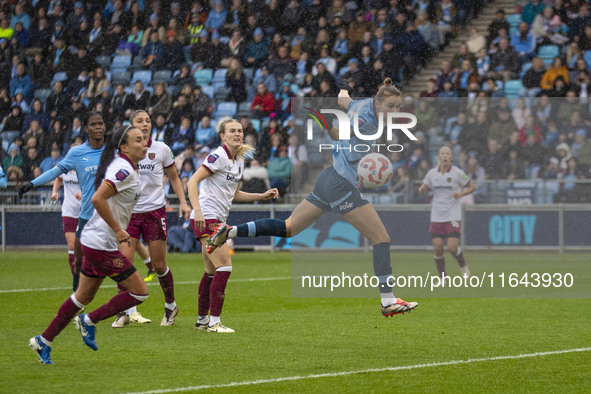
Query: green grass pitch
{"type": "Point", "coordinates": [278, 336]}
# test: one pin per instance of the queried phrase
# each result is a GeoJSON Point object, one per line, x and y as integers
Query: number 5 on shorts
{"type": "Point", "coordinates": [163, 223]}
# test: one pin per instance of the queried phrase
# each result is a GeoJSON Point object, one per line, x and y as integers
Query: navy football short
{"type": "Point", "coordinates": [81, 224]}
{"type": "Point", "coordinates": [333, 193]}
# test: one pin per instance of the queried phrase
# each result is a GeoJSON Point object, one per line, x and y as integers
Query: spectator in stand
{"type": "Point", "coordinates": [255, 178]}
{"type": "Point", "coordinates": [50, 161]}
{"type": "Point", "coordinates": [173, 55]}
{"type": "Point", "coordinates": [492, 160]}
{"type": "Point", "coordinates": [502, 127]}
{"type": "Point", "coordinates": [181, 107]}
{"type": "Point", "coordinates": [152, 53]}
{"type": "Point", "coordinates": [154, 27]}
{"type": "Point", "coordinates": [205, 134]}
{"type": "Point", "coordinates": [35, 131]}
{"type": "Point", "coordinates": [98, 81]}
{"type": "Point", "coordinates": [37, 114]}
{"type": "Point", "coordinates": [216, 18]}
{"type": "Point", "coordinates": [532, 78]}
{"type": "Point", "coordinates": [235, 48]}
{"type": "Point", "coordinates": [140, 98]}
{"type": "Point", "coordinates": [264, 102]}
{"type": "Point", "coordinates": [30, 163]}
{"type": "Point", "coordinates": [121, 102]}
{"type": "Point", "coordinates": [473, 137]}
{"type": "Point", "coordinates": [21, 81]}
{"type": "Point", "coordinates": [513, 166]}
{"type": "Point", "coordinates": [14, 120]}
{"type": "Point", "coordinates": [557, 70]}
{"type": "Point", "coordinates": [236, 82]}
{"type": "Point", "coordinates": [534, 155]}
{"type": "Point", "coordinates": [256, 51]}
{"type": "Point", "coordinates": [182, 136]}
{"type": "Point", "coordinates": [96, 38]}
{"type": "Point", "coordinates": [524, 43]}
{"type": "Point", "coordinates": [13, 159]}
{"type": "Point", "coordinates": [581, 147]}
{"type": "Point", "coordinates": [520, 113]}
{"type": "Point", "coordinates": [531, 10]}
{"type": "Point", "coordinates": [505, 62]}
{"type": "Point", "coordinates": [445, 20]}
{"type": "Point", "coordinates": [283, 64]}
{"type": "Point", "coordinates": [445, 74]}
{"type": "Point", "coordinates": [577, 27]}
{"type": "Point", "coordinates": [161, 131]}
{"type": "Point", "coordinates": [202, 104]}
{"type": "Point", "coordinates": [476, 42]}
{"type": "Point", "coordinates": [427, 30]}
{"type": "Point", "coordinates": [279, 170]}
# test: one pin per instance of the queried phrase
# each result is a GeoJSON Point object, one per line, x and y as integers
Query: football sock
{"type": "Point", "coordinates": [170, 306]}
{"type": "Point", "coordinates": [75, 281]}
{"type": "Point", "coordinates": [131, 310]}
{"type": "Point", "coordinates": [213, 320]}
{"type": "Point", "coordinates": [383, 270]}
{"type": "Point", "coordinates": [119, 303]}
{"type": "Point", "coordinates": [270, 227]}
{"type": "Point", "coordinates": [203, 299]}
{"type": "Point", "coordinates": [202, 319]}
{"type": "Point", "coordinates": [167, 284]}
{"type": "Point", "coordinates": [71, 260]}
{"type": "Point", "coordinates": [218, 288]}
{"type": "Point", "coordinates": [45, 341]}
{"type": "Point", "coordinates": [63, 317]}
{"type": "Point", "coordinates": [460, 257]}
{"type": "Point", "coordinates": [440, 264]}
{"type": "Point", "coordinates": [148, 263]}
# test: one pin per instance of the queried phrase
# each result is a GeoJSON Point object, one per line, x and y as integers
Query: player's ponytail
{"type": "Point", "coordinates": [117, 138]}
{"type": "Point", "coordinates": [245, 151]}
{"type": "Point", "coordinates": [387, 89]}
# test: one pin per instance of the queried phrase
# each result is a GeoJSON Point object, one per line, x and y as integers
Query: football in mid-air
{"type": "Point", "coordinates": [374, 170]}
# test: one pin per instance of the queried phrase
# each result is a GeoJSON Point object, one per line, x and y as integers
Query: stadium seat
{"type": "Point", "coordinates": [144, 75]}
{"type": "Point", "coordinates": [219, 75]}
{"type": "Point", "coordinates": [256, 123]}
{"type": "Point", "coordinates": [220, 94]}
{"type": "Point", "coordinates": [162, 76]}
{"type": "Point", "coordinates": [249, 74]}
{"type": "Point", "coordinates": [525, 68]}
{"type": "Point", "coordinates": [121, 77]}
{"type": "Point", "coordinates": [203, 76]}
{"type": "Point", "coordinates": [587, 57]}
{"type": "Point", "coordinates": [547, 53]}
{"type": "Point", "coordinates": [103, 61]}
{"type": "Point", "coordinates": [108, 74]}
{"type": "Point", "coordinates": [208, 90]}
{"type": "Point", "coordinates": [42, 94]}
{"type": "Point", "coordinates": [343, 70]}
{"type": "Point", "coordinates": [226, 108]}
{"type": "Point", "coordinates": [136, 65]}
{"type": "Point", "coordinates": [121, 61]}
{"type": "Point", "coordinates": [448, 124]}
{"type": "Point", "coordinates": [513, 87]}
{"type": "Point", "coordinates": [59, 76]}
{"type": "Point", "coordinates": [514, 20]}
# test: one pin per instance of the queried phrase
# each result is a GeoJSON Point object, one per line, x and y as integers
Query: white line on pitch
{"type": "Point", "coordinates": [149, 284]}
{"type": "Point", "coordinates": [372, 370]}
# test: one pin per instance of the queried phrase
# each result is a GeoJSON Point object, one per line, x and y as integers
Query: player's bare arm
{"type": "Point", "coordinates": [177, 186]}
{"type": "Point", "coordinates": [192, 187]}
{"type": "Point", "coordinates": [99, 201]}
{"type": "Point", "coordinates": [423, 188]}
{"type": "Point", "coordinates": [469, 188]}
{"type": "Point", "coordinates": [241, 196]}
{"type": "Point", "coordinates": [56, 186]}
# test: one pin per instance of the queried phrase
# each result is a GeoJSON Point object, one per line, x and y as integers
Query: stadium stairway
{"type": "Point", "coordinates": [417, 84]}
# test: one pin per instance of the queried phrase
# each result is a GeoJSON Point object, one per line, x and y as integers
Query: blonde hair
{"type": "Point", "coordinates": [244, 151]}
{"type": "Point", "coordinates": [387, 89]}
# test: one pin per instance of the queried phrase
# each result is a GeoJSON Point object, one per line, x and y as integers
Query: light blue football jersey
{"type": "Point", "coordinates": [344, 161]}
{"type": "Point", "coordinates": [84, 159]}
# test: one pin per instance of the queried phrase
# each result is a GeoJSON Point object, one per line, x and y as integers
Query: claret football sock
{"type": "Point", "coordinates": [203, 299]}
{"type": "Point", "coordinates": [217, 290]}
{"type": "Point", "coordinates": [440, 264]}
{"type": "Point", "coordinates": [460, 257]}
{"type": "Point", "coordinates": [167, 284]}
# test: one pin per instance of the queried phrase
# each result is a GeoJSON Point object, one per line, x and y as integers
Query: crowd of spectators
{"type": "Point", "coordinates": [53, 70]}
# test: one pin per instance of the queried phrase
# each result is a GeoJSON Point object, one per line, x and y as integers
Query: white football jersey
{"type": "Point", "coordinates": [217, 191]}
{"type": "Point", "coordinates": [71, 205]}
{"type": "Point", "coordinates": [151, 169]}
{"type": "Point", "coordinates": [124, 178]}
{"type": "Point", "coordinates": [446, 208]}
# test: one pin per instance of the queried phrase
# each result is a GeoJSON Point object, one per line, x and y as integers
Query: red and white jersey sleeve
{"type": "Point", "coordinates": [124, 178]}
{"type": "Point", "coordinates": [446, 208]}
{"type": "Point", "coordinates": [71, 205]}
{"type": "Point", "coordinates": [158, 158]}
{"type": "Point", "coordinates": [217, 191]}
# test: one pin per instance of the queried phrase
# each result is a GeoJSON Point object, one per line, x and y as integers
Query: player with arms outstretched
{"type": "Point", "coordinates": [118, 187]}
{"type": "Point", "coordinates": [212, 188]}
{"type": "Point", "coordinates": [83, 159]}
{"type": "Point", "coordinates": [149, 216]}
{"type": "Point", "coordinates": [449, 184]}
{"type": "Point", "coordinates": [336, 191]}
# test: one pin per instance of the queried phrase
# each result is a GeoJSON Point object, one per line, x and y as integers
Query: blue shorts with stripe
{"type": "Point", "coordinates": [333, 193]}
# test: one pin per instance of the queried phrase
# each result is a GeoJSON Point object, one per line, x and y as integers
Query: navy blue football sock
{"type": "Point", "coordinates": [381, 265]}
{"type": "Point", "coordinates": [268, 227]}
{"type": "Point", "coordinates": [75, 280]}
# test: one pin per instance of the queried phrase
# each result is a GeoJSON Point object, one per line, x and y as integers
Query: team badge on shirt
{"type": "Point", "coordinates": [121, 175]}
{"type": "Point", "coordinates": [212, 158]}
{"type": "Point", "coordinates": [151, 156]}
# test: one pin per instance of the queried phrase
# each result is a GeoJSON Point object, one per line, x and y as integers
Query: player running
{"type": "Point", "coordinates": [336, 191]}
{"type": "Point", "coordinates": [212, 188]}
{"type": "Point", "coordinates": [118, 186]}
{"type": "Point", "coordinates": [149, 217]}
{"type": "Point", "coordinates": [449, 184]}
{"type": "Point", "coordinates": [83, 159]}
{"type": "Point", "coordinates": [70, 211]}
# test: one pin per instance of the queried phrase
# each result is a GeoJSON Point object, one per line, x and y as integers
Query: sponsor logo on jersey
{"type": "Point", "coordinates": [212, 158]}
{"type": "Point", "coordinates": [121, 175]}
{"type": "Point", "coordinates": [151, 156]}
{"type": "Point", "coordinates": [230, 177]}
{"type": "Point", "coordinates": [150, 167]}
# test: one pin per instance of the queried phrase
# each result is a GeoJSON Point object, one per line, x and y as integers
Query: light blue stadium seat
{"type": "Point", "coordinates": [226, 108]}
{"type": "Point", "coordinates": [513, 87]}
{"type": "Point", "coordinates": [143, 75]}
{"type": "Point", "coordinates": [514, 20]}
{"type": "Point", "coordinates": [121, 61]}
{"type": "Point", "coordinates": [203, 76]}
